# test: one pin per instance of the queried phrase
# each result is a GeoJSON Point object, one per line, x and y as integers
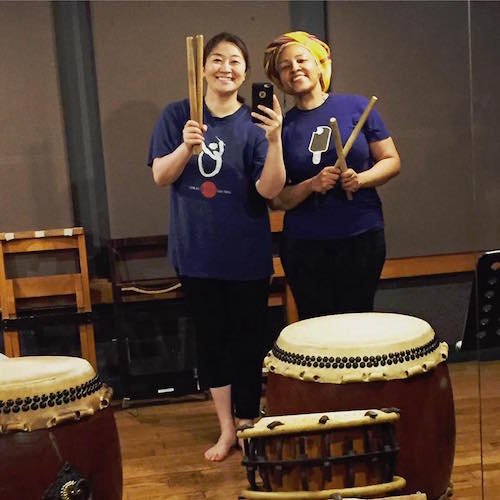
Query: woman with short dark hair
{"type": "Point", "coordinates": [219, 238]}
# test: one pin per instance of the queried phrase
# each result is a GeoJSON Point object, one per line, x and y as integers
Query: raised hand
{"type": "Point", "coordinates": [192, 134]}
{"type": "Point", "coordinates": [271, 119]}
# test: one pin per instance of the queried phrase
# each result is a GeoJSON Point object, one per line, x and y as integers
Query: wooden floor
{"type": "Point", "coordinates": [162, 446]}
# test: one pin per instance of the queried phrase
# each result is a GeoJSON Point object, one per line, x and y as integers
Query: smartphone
{"type": "Point", "coordinates": [262, 93]}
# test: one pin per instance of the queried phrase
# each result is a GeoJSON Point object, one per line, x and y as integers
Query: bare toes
{"type": "Point", "coordinates": [220, 450]}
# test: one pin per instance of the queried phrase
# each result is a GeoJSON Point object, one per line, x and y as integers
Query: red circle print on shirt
{"type": "Point", "coordinates": [208, 189]}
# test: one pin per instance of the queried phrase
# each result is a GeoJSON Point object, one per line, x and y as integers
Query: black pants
{"type": "Point", "coordinates": [334, 276]}
{"type": "Point", "coordinates": [230, 319]}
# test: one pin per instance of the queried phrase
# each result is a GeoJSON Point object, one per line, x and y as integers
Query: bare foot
{"type": "Point", "coordinates": [220, 450]}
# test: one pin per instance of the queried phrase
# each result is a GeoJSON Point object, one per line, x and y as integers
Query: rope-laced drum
{"type": "Point", "coordinates": [58, 438]}
{"type": "Point", "coordinates": [355, 361]}
{"type": "Point", "coordinates": [319, 454]}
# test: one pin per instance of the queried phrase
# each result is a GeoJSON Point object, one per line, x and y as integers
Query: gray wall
{"type": "Point", "coordinates": [414, 57]}
{"type": "Point", "coordinates": [140, 52]}
{"type": "Point", "coordinates": [35, 190]}
{"type": "Point", "coordinates": [434, 66]}
{"type": "Point", "coordinates": [485, 82]}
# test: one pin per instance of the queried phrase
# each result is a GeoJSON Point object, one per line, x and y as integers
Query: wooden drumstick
{"type": "Point", "coordinates": [340, 153]}
{"type": "Point", "coordinates": [357, 129]}
{"type": "Point", "coordinates": [191, 77]}
{"type": "Point", "coordinates": [359, 125]}
{"type": "Point", "coordinates": [191, 70]}
{"type": "Point", "coordinates": [199, 76]}
{"type": "Point", "coordinates": [199, 85]}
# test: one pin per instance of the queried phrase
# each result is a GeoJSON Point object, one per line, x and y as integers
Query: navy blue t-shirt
{"type": "Point", "coordinates": [219, 224]}
{"type": "Point", "coordinates": [309, 147]}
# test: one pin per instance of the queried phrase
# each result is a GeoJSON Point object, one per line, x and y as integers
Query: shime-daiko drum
{"type": "Point", "coordinates": [58, 438]}
{"type": "Point", "coordinates": [372, 360]}
{"type": "Point", "coordinates": [318, 454]}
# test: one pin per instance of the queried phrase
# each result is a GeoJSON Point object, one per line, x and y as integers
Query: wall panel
{"type": "Point", "coordinates": [141, 66]}
{"type": "Point", "coordinates": [485, 43]}
{"type": "Point", "coordinates": [414, 57]}
{"type": "Point", "coordinates": [35, 190]}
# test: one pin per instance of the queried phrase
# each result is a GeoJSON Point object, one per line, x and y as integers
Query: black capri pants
{"type": "Point", "coordinates": [334, 276]}
{"type": "Point", "coordinates": [230, 319]}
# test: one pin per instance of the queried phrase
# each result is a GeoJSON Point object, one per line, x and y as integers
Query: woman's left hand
{"type": "Point", "coordinates": [271, 119]}
{"type": "Point", "coordinates": [350, 180]}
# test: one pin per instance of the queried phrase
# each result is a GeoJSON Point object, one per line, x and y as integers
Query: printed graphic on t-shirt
{"type": "Point", "coordinates": [210, 162]}
{"type": "Point", "coordinates": [320, 140]}
{"type": "Point", "coordinates": [214, 151]}
{"type": "Point", "coordinates": [208, 189]}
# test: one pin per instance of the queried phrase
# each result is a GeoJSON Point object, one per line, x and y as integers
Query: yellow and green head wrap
{"type": "Point", "coordinates": [315, 46]}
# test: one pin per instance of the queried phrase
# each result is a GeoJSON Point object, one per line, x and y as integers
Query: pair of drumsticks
{"type": "Point", "coordinates": [343, 151]}
{"type": "Point", "coordinates": [194, 52]}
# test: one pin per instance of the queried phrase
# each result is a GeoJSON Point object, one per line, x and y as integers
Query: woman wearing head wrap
{"type": "Point", "coordinates": [333, 249]}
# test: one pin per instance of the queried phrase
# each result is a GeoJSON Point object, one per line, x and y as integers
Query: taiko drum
{"type": "Point", "coordinates": [372, 360]}
{"type": "Point", "coordinates": [58, 437]}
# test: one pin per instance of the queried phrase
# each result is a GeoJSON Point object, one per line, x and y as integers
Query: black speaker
{"type": "Point", "coordinates": [482, 328]}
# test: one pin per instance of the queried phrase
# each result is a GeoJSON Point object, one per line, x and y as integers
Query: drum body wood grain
{"type": "Point", "coordinates": [423, 393]}
{"type": "Point", "coordinates": [59, 416]}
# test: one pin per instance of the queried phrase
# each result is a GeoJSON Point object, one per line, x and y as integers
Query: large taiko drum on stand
{"type": "Point", "coordinates": [363, 360]}
{"type": "Point", "coordinates": [316, 455]}
{"type": "Point", "coordinates": [58, 438]}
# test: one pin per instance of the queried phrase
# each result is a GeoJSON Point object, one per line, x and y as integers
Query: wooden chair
{"type": "Point", "coordinates": [140, 273]}
{"type": "Point", "coordinates": [54, 288]}
{"type": "Point", "coordinates": [165, 285]}
{"type": "Point", "coordinates": [142, 285]}
{"type": "Point", "coordinates": [160, 361]}
{"type": "Point", "coordinates": [282, 295]}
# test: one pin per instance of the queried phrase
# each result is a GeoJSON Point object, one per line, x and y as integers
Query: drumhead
{"type": "Point", "coordinates": [43, 391]}
{"type": "Point", "coordinates": [356, 347]}
{"type": "Point", "coordinates": [30, 375]}
{"type": "Point", "coordinates": [314, 422]}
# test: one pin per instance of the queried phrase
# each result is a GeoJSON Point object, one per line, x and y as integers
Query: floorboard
{"type": "Point", "coordinates": [163, 445]}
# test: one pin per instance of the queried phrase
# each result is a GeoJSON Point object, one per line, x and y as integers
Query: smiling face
{"type": "Point", "coordinates": [225, 69]}
{"type": "Point", "coordinates": [298, 70]}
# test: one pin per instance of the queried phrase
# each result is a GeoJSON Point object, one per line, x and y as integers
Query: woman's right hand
{"type": "Point", "coordinates": [325, 180]}
{"type": "Point", "coordinates": [192, 134]}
